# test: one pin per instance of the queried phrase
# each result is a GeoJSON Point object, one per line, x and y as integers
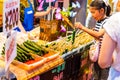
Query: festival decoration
{"type": "Point", "coordinates": [76, 5]}
{"type": "Point", "coordinates": [63, 15]}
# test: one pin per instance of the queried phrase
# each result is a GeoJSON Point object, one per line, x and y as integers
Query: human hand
{"type": "Point", "coordinates": [49, 9]}
{"type": "Point", "coordinates": [78, 25]}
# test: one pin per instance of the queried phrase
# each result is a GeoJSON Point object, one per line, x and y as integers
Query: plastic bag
{"type": "Point", "coordinates": [94, 51]}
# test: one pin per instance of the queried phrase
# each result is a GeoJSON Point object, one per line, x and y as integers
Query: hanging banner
{"type": "Point", "coordinates": [10, 49]}
{"type": "Point", "coordinates": [10, 14]}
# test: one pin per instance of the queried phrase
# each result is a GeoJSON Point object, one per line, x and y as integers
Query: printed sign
{"type": "Point", "coordinates": [10, 49]}
{"type": "Point", "coordinates": [10, 14]}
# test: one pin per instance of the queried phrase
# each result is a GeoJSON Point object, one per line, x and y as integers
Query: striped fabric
{"type": "Point", "coordinates": [99, 25]}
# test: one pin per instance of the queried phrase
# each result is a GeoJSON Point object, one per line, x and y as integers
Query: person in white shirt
{"type": "Point", "coordinates": [110, 49]}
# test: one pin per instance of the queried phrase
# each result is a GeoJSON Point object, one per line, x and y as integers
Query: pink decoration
{"type": "Point", "coordinates": [58, 10]}
{"type": "Point", "coordinates": [58, 16]}
{"type": "Point", "coordinates": [39, 1]}
{"type": "Point", "coordinates": [40, 6]}
{"type": "Point", "coordinates": [50, 1]}
{"type": "Point", "coordinates": [62, 29]}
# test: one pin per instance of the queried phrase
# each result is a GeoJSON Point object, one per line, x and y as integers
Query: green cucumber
{"type": "Point", "coordinates": [30, 47]}
{"type": "Point", "coordinates": [73, 36]}
{"type": "Point", "coordinates": [23, 48]}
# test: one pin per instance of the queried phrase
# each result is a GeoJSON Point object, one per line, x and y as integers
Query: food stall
{"type": "Point", "coordinates": [39, 57]}
{"type": "Point", "coordinates": [65, 61]}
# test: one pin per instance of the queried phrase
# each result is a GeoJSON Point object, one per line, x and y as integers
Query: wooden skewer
{"type": "Point", "coordinates": [68, 21]}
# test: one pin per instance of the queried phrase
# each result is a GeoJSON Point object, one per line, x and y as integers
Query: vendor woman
{"type": "Point", "coordinates": [28, 19]}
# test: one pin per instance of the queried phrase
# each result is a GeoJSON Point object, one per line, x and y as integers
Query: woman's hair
{"type": "Point", "coordinates": [98, 4]}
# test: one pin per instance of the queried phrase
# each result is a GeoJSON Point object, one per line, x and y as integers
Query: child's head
{"type": "Point", "coordinates": [99, 9]}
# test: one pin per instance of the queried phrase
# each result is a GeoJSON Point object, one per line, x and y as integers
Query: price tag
{"type": "Point", "coordinates": [10, 14]}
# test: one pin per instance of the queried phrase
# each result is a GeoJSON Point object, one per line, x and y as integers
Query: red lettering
{"type": "Point", "coordinates": [58, 77]}
{"type": "Point", "coordinates": [7, 6]}
{"type": "Point", "coordinates": [61, 75]}
{"type": "Point", "coordinates": [10, 49]}
{"type": "Point", "coordinates": [11, 17]}
{"type": "Point", "coordinates": [35, 78]}
{"type": "Point", "coordinates": [11, 4]}
{"type": "Point", "coordinates": [55, 78]}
